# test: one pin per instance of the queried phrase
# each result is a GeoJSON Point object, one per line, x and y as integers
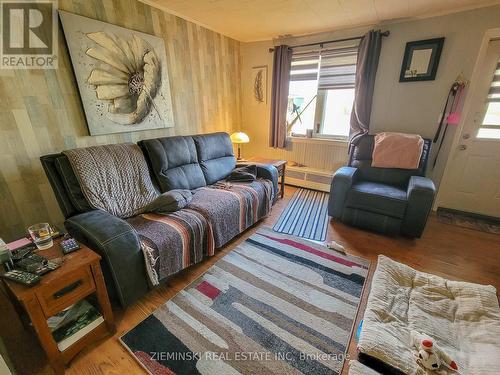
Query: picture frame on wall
{"type": "Point", "coordinates": [122, 76]}
{"type": "Point", "coordinates": [259, 83]}
{"type": "Point", "coordinates": [421, 60]}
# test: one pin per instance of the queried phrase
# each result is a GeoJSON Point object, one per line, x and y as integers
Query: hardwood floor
{"type": "Point", "coordinates": [445, 250]}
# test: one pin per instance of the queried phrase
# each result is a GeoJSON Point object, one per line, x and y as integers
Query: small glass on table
{"type": "Point", "coordinates": [41, 234]}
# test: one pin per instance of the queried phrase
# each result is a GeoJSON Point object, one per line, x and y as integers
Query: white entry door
{"type": "Point", "coordinates": [472, 179]}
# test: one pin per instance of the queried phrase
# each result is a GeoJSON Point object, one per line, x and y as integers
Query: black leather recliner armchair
{"type": "Point", "coordinates": [385, 200]}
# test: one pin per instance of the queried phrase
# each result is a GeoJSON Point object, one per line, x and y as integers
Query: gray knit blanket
{"type": "Point", "coordinates": [113, 178]}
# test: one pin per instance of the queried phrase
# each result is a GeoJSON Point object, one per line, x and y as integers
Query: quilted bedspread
{"type": "Point", "coordinates": [463, 318]}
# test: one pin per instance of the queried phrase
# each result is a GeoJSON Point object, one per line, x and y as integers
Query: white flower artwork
{"type": "Point", "coordinates": [122, 76]}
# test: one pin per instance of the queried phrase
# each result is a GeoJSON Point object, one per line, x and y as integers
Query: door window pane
{"type": "Point", "coordinates": [492, 116]}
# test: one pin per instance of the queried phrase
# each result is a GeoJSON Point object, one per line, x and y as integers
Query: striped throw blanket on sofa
{"type": "Point", "coordinates": [173, 242]}
{"type": "Point", "coordinates": [216, 214]}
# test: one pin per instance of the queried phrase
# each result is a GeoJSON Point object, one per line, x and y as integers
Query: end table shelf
{"type": "Point", "coordinates": [78, 277]}
{"type": "Point", "coordinates": [280, 165]}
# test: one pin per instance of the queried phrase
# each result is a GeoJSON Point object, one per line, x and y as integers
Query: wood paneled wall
{"type": "Point", "coordinates": [41, 111]}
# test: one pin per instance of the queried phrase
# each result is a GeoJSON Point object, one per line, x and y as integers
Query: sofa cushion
{"type": "Point", "coordinates": [173, 162]}
{"type": "Point", "coordinates": [232, 207]}
{"type": "Point", "coordinates": [462, 318]}
{"type": "Point", "coordinates": [377, 198]}
{"type": "Point", "coordinates": [172, 242]}
{"type": "Point", "coordinates": [215, 215]}
{"type": "Point", "coordinates": [170, 201]}
{"type": "Point", "coordinates": [215, 154]}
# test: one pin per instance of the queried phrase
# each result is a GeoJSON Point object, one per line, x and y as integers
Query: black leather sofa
{"type": "Point", "coordinates": [181, 162]}
{"type": "Point", "coordinates": [386, 200]}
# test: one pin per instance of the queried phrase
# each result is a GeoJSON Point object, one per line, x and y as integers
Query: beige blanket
{"type": "Point", "coordinates": [397, 150]}
{"type": "Point", "coordinates": [113, 178]}
{"type": "Point", "coordinates": [463, 318]}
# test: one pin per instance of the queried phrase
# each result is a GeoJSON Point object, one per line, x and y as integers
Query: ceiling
{"type": "Point", "coordinates": [254, 20]}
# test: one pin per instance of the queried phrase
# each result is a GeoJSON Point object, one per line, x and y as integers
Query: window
{"type": "Point", "coordinates": [490, 127]}
{"type": "Point", "coordinates": [321, 92]}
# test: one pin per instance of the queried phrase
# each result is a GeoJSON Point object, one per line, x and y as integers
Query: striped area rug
{"type": "Point", "coordinates": [306, 215]}
{"type": "Point", "coordinates": [274, 305]}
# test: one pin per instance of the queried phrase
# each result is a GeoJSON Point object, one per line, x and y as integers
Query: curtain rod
{"type": "Point", "coordinates": [385, 33]}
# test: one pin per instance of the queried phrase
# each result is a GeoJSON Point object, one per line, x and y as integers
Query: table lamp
{"type": "Point", "coordinates": [238, 138]}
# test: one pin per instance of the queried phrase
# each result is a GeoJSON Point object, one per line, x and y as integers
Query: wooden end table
{"type": "Point", "coordinates": [79, 276]}
{"type": "Point", "coordinates": [280, 166]}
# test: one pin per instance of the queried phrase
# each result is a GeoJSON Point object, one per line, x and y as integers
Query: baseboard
{"type": "Point", "coordinates": [488, 219]}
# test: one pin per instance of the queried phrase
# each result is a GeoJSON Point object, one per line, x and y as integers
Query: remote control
{"type": "Point", "coordinates": [21, 277]}
{"type": "Point", "coordinates": [22, 252]}
{"type": "Point", "coordinates": [32, 263]}
{"type": "Point", "coordinates": [69, 245]}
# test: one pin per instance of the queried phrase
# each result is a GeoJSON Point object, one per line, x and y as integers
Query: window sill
{"type": "Point", "coordinates": [330, 141]}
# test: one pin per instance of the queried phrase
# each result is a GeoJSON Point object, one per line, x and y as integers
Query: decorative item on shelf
{"type": "Point", "coordinates": [259, 80]}
{"type": "Point", "coordinates": [452, 111]}
{"type": "Point", "coordinates": [421, 60]}
{"type": "Point", "coordinates": [238, 138]}
{"type": "Point", "coordinates": [122, 76]}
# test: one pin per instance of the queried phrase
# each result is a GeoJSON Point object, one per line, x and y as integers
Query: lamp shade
{"type": "Point", "coordinates": [239, 137]}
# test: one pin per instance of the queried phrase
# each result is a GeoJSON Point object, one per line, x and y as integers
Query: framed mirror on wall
{"type": "Point", "coordinates": [421, 60]}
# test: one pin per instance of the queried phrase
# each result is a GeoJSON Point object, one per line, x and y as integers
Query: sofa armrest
{"type": "Point", "coordinates": [267, 171]}
{"type": "Point", "coordinates": [117, 242]}
{"type": "Point", "coordinates": [342, 181]}
{"type": "Point", "coordinates": [420, 194]}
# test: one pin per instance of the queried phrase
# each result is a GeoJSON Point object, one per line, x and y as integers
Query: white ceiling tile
{"type": "Point", "coordinates": [392, 9]}
{"type": "Point", "coordinates": [252, 20]}
{"type": "Point", "coordinates": [360, 12]}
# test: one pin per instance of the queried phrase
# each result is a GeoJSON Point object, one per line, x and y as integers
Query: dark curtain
{"type": "Point", "coordinates": [366, 70]}
{"type": "Point", "coordinates": [279, 95]}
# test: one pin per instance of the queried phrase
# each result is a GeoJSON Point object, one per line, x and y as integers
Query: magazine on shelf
{"type": "Point", "coordinates": [73, 323]}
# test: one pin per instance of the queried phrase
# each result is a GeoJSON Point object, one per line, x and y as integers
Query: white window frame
{"type": "Point", "coordinates": [319, 116]}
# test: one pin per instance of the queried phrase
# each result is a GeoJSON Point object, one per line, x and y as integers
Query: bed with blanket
{"type": "Point", "coordinates": [462, 318]}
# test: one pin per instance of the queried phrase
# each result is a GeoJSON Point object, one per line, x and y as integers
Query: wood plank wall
{"type": "Point", "coordinates": [41, 111]}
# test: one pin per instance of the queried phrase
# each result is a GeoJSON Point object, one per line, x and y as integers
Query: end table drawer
{"type": "Point", "coordinates": [56, 296]}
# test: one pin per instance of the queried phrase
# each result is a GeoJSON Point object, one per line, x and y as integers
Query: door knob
{"type": "Point", "coordinates": [462, 147]}
{"type": "Point", "coordinates": [466, 136]}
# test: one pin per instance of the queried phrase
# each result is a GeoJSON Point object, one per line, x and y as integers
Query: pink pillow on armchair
{"type": "Point", "coordinates": [397, 150]}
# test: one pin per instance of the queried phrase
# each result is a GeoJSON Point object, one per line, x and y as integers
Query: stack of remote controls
{"type": "Point", "coordinates": [28, 266]}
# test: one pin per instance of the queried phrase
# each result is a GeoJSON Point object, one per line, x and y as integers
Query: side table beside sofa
{"type": "Point", "coordinates": [78, 277]}
{"type": "Point", "coordinates": [280, 165]}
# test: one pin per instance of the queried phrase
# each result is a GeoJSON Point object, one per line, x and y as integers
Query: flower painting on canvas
{"type": "Point", "coordinates": [122, 76]}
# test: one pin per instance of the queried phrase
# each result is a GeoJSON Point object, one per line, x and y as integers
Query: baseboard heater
{"type": "Point", "coordinates": [310, 178]}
